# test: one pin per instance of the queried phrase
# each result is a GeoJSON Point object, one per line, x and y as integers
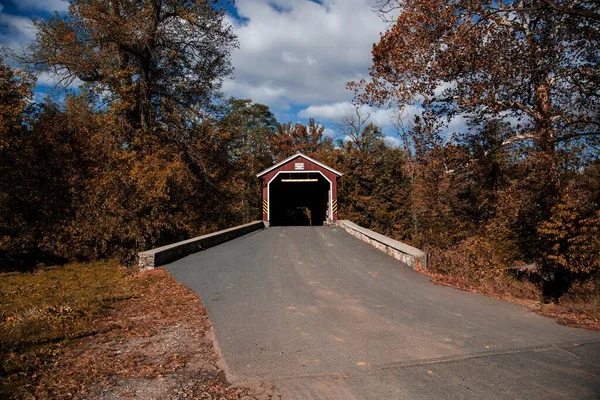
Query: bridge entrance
{"type": "Point", "coordinates": [299, 191]}
{"type": "Point", "coordinates": [299, 199]}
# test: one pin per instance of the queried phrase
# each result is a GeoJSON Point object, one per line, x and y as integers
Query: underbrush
{"type": "Point", "coordinates": [44, 309]}
{"type": "Point", "coordinates": [474, 266]}
{"type": "Point", "coordinates": [579, 306]}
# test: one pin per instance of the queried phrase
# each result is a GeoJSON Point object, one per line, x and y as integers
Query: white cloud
{"type": "Point", "coordinates": [333, 112]}
{"type": "Point", "coordinates": [392, 141]}
{"type": "Point", "coordinates": [51, 79]}
{"type": "Point", "coordinates": [47, 79]}
{"type": "Point", "coordinates": [457, 125]}
{"type": "Point", "coordinates": [304, 55]}
{"type": "Point", "coordinates": [264, 93]}
{"type": "Point", "coordinates": [16, 31]}
{"type": "Point", "coordinates": [381, 117]}
{"type": "Point", "coordinates": [328, 132]}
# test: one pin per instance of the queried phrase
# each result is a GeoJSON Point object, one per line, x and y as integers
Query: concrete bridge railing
{"type": "Point", "coordinates": [409, 255]}
{"type": "Point", "coordinates": [162, 255]}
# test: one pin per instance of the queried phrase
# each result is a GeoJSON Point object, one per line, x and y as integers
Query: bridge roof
{"type": "Point", "coordinates": [298, 154]}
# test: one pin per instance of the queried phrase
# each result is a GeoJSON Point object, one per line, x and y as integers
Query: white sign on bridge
{"type": "Point", "coordinates": [299, 166]}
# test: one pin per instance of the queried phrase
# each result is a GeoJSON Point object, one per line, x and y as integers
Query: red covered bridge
{"type": "Point", "coordinates": [299, 191]}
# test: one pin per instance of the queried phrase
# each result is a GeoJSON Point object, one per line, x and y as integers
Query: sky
{"type": "Point", "coordinates": [296, 56]}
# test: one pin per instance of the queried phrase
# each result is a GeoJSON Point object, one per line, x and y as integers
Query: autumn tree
{"type": "Point", "coordinates": [531, 66]}
{"type": "Point", "coordinates": [372, 190]}
{"type": "Point", "coordinates": [572, 234]}
{"type": "Point", "coordinates": [16, 87]}
{"type": "Point", "coordinates": [492, 61]}
{"type": "Point", "coordinates": [351, 128]}
{"type": "Point", "coordinates": [250, 128]}
{"type": "Point", "coordinates": [47, 162]}
{"type": "Point", "coordinates": [309, 139]}
{"type": "Point", "coordinates": [152, 60]}
{"type": "Point", "coordinates": [138, 150]}
{"type": "Point", "coordinates": [373, 193]}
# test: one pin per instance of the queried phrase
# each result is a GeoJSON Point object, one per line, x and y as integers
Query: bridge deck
{"type": "Point", "coordinates": [324, 315]}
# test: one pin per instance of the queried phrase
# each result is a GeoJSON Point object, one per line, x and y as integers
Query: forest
{"type": "Point", "coordinates": [148, 151]}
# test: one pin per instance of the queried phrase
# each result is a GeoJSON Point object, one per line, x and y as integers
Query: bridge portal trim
{"type": "Point", "coordinates": [291, 166]}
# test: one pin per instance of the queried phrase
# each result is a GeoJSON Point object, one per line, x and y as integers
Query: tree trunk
{"type": "Point", "coordinates": [546, 135]}
{"type": "Point", "coordinates": [546, 138]}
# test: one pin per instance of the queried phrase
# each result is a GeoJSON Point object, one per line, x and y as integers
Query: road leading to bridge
{"type": "Point", "coordinates": [326, 316]}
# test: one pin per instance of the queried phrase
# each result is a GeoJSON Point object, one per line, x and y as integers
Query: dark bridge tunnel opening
{"type": "Point", "coordinates": [299, 199]}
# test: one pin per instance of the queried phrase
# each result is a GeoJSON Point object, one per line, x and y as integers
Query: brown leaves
{"type": "Point", "coordinates": [573, 231]}
{"type": "Point", "coordinates": [308, 139]}
{"type": "Point", "coordinates": [16, 87]}
{"type": "Point", "coordinates": [154, 59]}
{"type": "Point", "coordinates": [495, 62]}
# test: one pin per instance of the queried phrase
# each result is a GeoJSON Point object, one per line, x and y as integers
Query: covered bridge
{"type": "Point", "coordinates": [299, 191]}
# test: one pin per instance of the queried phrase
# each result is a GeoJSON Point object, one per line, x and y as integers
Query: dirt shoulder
{"type": "Point", "coordinates": [154, 343]}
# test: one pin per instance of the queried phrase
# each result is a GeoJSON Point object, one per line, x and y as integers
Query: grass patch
{"type": "Point", "coordinates": [42, 310]}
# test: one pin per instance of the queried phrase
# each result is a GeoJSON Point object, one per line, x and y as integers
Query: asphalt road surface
{"type": "Point", "coordinates": [326, 316]}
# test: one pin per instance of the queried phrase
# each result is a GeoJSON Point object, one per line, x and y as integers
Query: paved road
{"type": "Point", "coordinates": [326, 316]}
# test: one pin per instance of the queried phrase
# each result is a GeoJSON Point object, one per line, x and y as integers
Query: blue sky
{"type": "Point", "coordinates": [295, 56]}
